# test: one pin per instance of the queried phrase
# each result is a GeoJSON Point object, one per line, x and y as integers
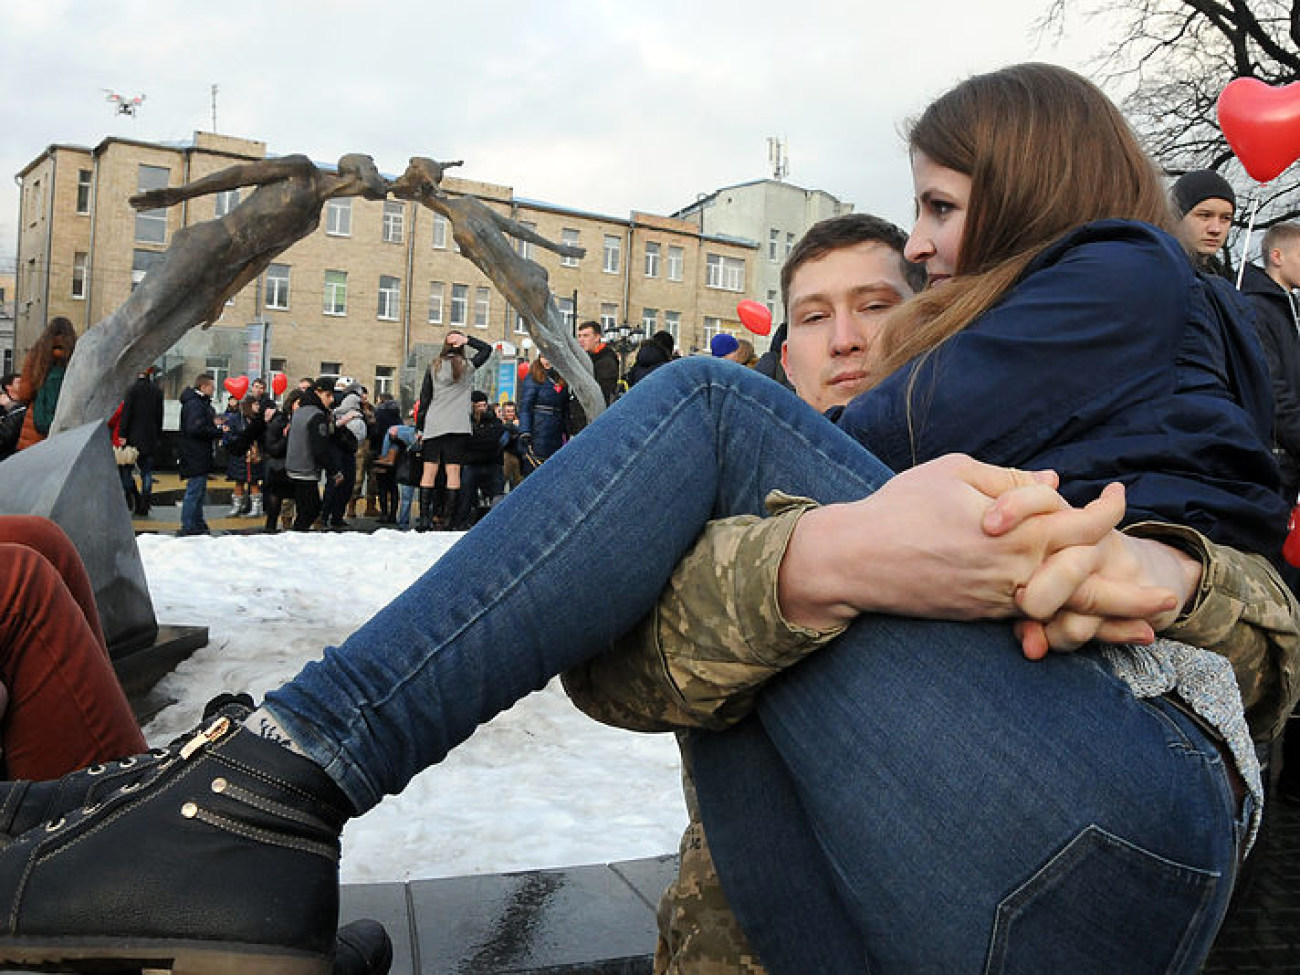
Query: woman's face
{"type": "Point", "coordinates": [942, 199]}
{"type": "Point", "coordinates": [546, 363]}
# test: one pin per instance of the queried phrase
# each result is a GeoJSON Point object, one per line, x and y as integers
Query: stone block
{"type": "Point", "coordinates": [72, 480]}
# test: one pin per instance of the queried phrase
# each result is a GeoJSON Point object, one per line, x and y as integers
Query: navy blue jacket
{"type": "Point", "coordinates": [544, 413]}
{"type": "Point", "coordinates": [198, 431]}
{"type": "Point", "coordinates": [1110, 360]}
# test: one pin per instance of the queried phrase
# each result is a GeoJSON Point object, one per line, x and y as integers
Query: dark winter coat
{"type": "Point", "coordinates": [485, 439]}
{"type": "Point", "coordinates": [198, 432]}
{"type": "Point", "coordinates": [1278, 322]}
{"type": "Point", "coordinates": [11, 426]}
{"type": "Point", "coordinates": [1110, 360]}
{"type": "Point", "coordinates": [649, 357]}
{"type": "Point", "coordinates": [544, 413]}
{"type": "Point", "coordinates": [387, 416]}
{"type": "Point", "coordinates": [142, 416]}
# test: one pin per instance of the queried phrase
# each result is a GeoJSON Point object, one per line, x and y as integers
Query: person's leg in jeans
{"type": "Point", "coordinates": [410, 685]}
{"type": "Point", "coordinates": [66, 708]}
{"type": "Point", "coordinates": [957, 805]}
{"type": "Point", "coordinates": [192, 519]}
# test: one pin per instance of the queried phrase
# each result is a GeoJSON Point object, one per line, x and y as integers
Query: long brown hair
{"type": "Point", "coordinates": [1046, 152]}
{"type": "Point", "coordinates": [55, 344]}
{"type": "Point", "coordinates": [453, 354]}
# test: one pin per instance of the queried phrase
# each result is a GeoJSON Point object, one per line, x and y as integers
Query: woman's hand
{"type": "Point", "coordinates": [932, 543]}
{"type": "Point", "coordinates": [1122, 589]}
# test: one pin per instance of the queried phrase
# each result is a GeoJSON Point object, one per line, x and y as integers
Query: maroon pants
{"type": "Point", "coordinates": [66, 709]}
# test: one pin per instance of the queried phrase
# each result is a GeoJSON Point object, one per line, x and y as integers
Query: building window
{"type": "Point", "coordinates": [482, 307]}
{"type": "Point", "coordinates": [613, 249]}
{"type": "Point", "coordinates": [569, 236]}
{"type": "Point", "coordinates": [83, 190]}
{"type": "Point", "coordinates": [330, 370]}
{"type": "Point", "coordinates": [394, 215]}
{"type": "Point", "coordinates": [650, 320]}
{"type": "Point", "coordinates": [141, 262]}
{"type": "Point", "coordinates": [436, 291]}
{"type": "Point", "coordinates": [651, 259]}
{"type": "Point", "coordinates": [459, 303]}
{"type": "Point", "coordinates": [521, 326]}
{"type": "Point", "coordinates": [439, 232]}
{"type": "Point", "coordinates": [789, 244]}
{"type": "Point", "coordinates": [727, 273]}
{"type": "Point", "coordinates": [673, 324]}
{"type": "Point", "coordinates": [712, 326]}
{"type": "Point", "coordinates": [78, 275]}
{"type": "Point", "coordinates": [566, 312]}
{"type": "Point", "coordinates": [277, 286]}
{"type": "Point", "coordinates": [676, 262]}
{"type": "Point", "coordinates": [227, 200]}
{"type": "Point", "coordinates": [390, 293]}
{"type": "Point", "coordinates": [336, 293]}
{"type": "Point", "coordinates": [151, 225]}
{"type": "Point", "coordinates": [525, 247]}
{"type": "Point", "coordinates": [774, 245]}
{"type": "Point", "coordinates": [771, 301]}
{"type": "Point", "coordinates": [608, 316]}
{"type": "Point", "coordinates": [338, 218]}
{"type": "Point", "coordinates": [279, 365]}
{"type": "Point", "coordinates": [384, 379]}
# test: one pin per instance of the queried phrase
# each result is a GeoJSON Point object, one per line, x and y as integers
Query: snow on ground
{"type": "Point", "coordinates": [540, 786]}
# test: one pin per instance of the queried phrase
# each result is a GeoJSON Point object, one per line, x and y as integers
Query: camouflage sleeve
{"type": "Point", "coordinates": [716, 635]}
{"type": "Point", "coordinates": [1245, 612]}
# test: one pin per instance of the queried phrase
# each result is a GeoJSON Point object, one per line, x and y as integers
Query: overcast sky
{"type": "Point", "coordinates": [601, 106]}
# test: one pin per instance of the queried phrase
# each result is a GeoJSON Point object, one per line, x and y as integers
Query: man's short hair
{"type": "Point", "coordinates": [593, 325]}
{"type": "Point", "coordinates": [325, 384]}
{"type": "Point", "coordinates": [1279, 235]}
{"type": "Point", "coordinates": [204, 377]}
{"type": "Point", "coordinates": [845, 231]}
{"type": "Point", "coordinates": [7, 380]}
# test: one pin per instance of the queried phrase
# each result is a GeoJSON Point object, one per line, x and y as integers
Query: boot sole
{"type": "Point", "coordinates": [177, 957]}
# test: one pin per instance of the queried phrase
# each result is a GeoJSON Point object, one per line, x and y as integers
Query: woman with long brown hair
{"type": "Point", "coordinates": [444, 414]}
{"type": "Point", "coordinates": [43, 372]}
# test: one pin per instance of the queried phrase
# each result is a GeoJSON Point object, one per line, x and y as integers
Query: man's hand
{"type": "Point", "coordinates": [919, 546]}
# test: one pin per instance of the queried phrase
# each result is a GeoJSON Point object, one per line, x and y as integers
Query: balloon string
{"type": "Point", "coordinates": [1245, 244]}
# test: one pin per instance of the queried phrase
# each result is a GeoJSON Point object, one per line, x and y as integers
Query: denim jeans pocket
{"type": "Point", "coordinates": [1102, 905]}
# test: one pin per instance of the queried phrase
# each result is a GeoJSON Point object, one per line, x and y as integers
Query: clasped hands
{"type": "Point", "coordinates": [955, 538]}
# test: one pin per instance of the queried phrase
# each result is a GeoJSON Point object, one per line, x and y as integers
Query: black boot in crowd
{"type": "Point", "coordinates": [425, 521]}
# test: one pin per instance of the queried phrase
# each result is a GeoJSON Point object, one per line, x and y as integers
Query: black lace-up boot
{"type": "Point", "coordinates": [223, 858]}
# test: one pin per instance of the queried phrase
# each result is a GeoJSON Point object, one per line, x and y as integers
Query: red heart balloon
{"type": "Point", "coordinates": [279, 383]}
{"type": "Point", "coordinates": [1262, 124]}
{"type": "Point", "coordinates": [755, 317]}
{"type": "Point", "coordinates": [237, 386]}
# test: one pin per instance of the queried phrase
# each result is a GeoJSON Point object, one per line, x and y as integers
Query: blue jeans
{"type": "Point", "coordinates": [196, 492]}
{"type": "Point", "coordinates": [699, 439]}
{"type": "Point", "coordinates": [144, 463]}
{"type": "Point", "coordinates": [405, 493]}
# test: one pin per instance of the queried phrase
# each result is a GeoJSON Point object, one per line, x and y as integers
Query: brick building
{"type": "Point", "coordinates": [372, 291]}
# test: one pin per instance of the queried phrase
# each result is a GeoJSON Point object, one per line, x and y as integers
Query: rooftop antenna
{"type": "Point", "coordinates": [778, 155]}
{"type": "Point", "coordinates": [124, 105]}
{"type": "Point", "coordinates": [214, 108]}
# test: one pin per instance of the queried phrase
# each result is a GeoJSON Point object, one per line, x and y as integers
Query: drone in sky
{"type": "Point", "coordinates": [125, 106]}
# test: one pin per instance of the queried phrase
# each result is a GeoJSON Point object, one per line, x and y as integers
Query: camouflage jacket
{"type": "Point", "coordinates": [717, 634]}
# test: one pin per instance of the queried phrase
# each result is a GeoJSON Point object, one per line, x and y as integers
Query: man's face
{"type": "Point", "coordinates": [479, 408]}
{"type": "Point", "coordinates": [838, 303]}
{"type": "Point", "coordinates": [258, 389]}
{"type": "Point", "coordinates": [1204, 229]}
{"type": "Point", "coordinates": [508, 413]}
{"type": "Point", "coordinates": [588, 339]}
{"type": "Point", "coordinates": [326, 397]}
{"type": "Point", "coordinates": [207, 388]}
{"type": "Point", "coordinates": [1285, 264]}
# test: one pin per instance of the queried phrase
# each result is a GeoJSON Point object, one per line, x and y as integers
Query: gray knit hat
{"type": "Point", "coordinates": [1198, 185]}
